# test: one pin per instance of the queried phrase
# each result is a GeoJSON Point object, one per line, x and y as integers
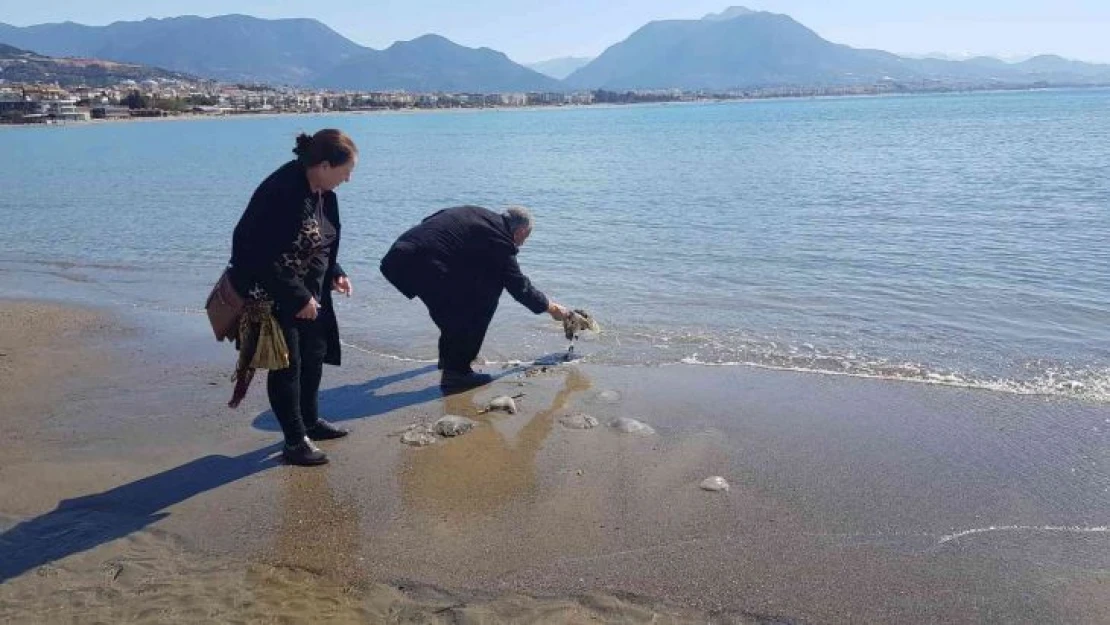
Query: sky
{"type": "Point", "coordinates": [535, 30]}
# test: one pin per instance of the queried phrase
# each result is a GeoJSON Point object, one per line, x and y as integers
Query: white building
{"type": "Point", "coordinates": [65, 110]}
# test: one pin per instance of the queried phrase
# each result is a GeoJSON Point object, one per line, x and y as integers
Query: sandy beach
{"type": "Point", "coordinates": [130, 493]}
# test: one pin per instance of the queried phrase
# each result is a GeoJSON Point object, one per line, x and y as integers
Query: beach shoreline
{"type": "Point", "coordinates": [564, 107]}
{"type": "Point", "coordinates": [130, 486]}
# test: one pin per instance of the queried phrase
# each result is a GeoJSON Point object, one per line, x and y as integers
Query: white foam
{"type": "Point", "coordinates": [1095, 385]}
{"type": "Point", "coordinates": [373, 352]}
{"type": "Point", "coordinates": [1086, 384]}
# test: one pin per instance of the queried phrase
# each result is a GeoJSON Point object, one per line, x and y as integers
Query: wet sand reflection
{"type": "Point", "coordinates": [482, 471]}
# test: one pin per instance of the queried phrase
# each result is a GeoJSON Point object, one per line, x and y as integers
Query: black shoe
{"type": "Point", "coordinates": [304, 454]}
{"type": "Point", "coordinates": [463, 379]}
{"type": "Point", "coordinates": [324, 431]}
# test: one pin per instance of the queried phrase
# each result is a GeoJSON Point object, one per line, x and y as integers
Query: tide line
{"type": "Point", "coordinates": [1025, 528]}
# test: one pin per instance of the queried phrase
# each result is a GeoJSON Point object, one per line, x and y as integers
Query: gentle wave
{"type": "Point", "coordinates": [1087, 382]}
{"type": "Point", "coordinates": [1086, 385]}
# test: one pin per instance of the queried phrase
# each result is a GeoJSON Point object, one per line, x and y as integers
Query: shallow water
{"type": "Point", "coordinates": [956, 239]}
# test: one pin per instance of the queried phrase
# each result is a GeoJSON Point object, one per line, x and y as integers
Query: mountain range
{"type": "Point", "coordinates": [234, 48]}
{"type": "Point", "coordinates": [740, 48]}
{"type": "Point", "coordinates": [433, 63]}
{"type": "Point", "coordinates": [735, 49]}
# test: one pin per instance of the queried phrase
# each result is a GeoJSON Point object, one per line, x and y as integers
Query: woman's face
{"type": "Point", "coordinates": [331, 177]}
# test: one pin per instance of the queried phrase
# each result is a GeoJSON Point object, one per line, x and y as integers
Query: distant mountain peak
{"type": "Point", "coordinates": [431, 38]}
{"type": "Point", "coordinates": [560, 68]}
{"type": "Point", "coordinates": [441, 44]}
{"type": "Point", "coordinates": [1050, 57]}
{"type": "Point", "coordinates": [728, 14]}
{"type": "Point", "coordinates": [429, 41]}
{"type": "Point", "coordinates": [434, 63]}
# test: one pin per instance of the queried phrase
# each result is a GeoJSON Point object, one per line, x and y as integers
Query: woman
{"type": "Point", "coordinates": [283, 257]}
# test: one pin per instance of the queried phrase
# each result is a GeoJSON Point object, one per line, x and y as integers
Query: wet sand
{"type": "Point", "coordinates": [130, 493]}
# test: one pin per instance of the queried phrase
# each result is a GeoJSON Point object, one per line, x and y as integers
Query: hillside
{"type": "Point", "coordinates": [433, 63]}
{"type": "Point", "coordinates": [22, 66]}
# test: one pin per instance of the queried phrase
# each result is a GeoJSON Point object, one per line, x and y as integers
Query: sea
{"type": "Point", "coordinates": [957, 239]}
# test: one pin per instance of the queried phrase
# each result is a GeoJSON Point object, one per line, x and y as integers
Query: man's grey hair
{"type": "Point", "coordinates": [518, 217]}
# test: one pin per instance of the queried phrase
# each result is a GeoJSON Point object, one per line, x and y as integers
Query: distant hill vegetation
{"type": "Point", "coordinates": [23, 66]}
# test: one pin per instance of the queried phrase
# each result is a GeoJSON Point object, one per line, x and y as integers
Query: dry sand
{"type": "Point", "coordinates": [131, 494]}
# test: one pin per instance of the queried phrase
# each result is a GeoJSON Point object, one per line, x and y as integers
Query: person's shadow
{"type": "Point", "coordinates": [359, 401]}
{"type": "Point", "coordinates": [83, 523]}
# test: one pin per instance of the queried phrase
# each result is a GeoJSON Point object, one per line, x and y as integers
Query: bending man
{"type": "Point", "coordinates": [457, 261]}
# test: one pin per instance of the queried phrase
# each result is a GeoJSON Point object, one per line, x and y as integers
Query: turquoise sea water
{"type": "Point", "coordinates": [957, 239]}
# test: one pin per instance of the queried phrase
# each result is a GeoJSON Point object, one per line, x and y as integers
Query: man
{"type": "Point", "coordinates": [458, 261]}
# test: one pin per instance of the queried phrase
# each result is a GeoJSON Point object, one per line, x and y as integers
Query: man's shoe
{"type": "Point", "coordinates": [324, 431]}
{"type": "Point", "coordinates": [463, 379]}
{"type": "Point", "coordinates": [304, 454]}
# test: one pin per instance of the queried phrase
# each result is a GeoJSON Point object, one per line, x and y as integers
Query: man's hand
{"type": "Point", "coordinates": [343, 285]}
{"type": "Point", "coordinates": [558, 312]}
{"type": "Point", "coordinates": [309, 311]}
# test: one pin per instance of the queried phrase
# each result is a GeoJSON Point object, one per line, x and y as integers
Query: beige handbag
{"type": "Point", "coordinates": [224, 307]}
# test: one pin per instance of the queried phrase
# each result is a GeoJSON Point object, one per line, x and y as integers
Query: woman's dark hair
{"type": "Point", "coordinates": [329, 145]}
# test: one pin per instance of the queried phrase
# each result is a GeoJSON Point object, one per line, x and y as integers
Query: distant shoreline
{"type": "Point", "coordinates": [600, 105]}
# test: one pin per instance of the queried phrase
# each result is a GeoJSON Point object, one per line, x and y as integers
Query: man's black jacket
{"type": "Point", "coordinates": [466, 252]}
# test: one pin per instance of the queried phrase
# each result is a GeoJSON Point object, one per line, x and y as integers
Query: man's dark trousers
{"type": "Point", "coordinates": [462, 312]}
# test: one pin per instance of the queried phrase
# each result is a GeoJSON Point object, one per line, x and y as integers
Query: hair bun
{"type": "Point", "coordinates": [329, 145]}
{"type": "Point", "coordinates": [304, 143]}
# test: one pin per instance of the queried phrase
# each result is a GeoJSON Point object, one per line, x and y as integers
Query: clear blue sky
{"type": "Point", "coordinates": [532, 30]}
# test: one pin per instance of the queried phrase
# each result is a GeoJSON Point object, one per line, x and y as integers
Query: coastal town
{"type": "Point", "coordinates": [51, 103]}
{"type": "Point", "coordinates": [40, 103]}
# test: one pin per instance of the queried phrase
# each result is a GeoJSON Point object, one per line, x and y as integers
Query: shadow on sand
{"type": "Point", "coordinates": [83, 523]}
{"type": "Point", "coordinates": [360, 401]}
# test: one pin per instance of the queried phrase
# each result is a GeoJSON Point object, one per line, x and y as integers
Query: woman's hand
{"type": "Point", "coordinates": [343, 285]}
{"type": "Point", "coordinates": [309, 311]}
